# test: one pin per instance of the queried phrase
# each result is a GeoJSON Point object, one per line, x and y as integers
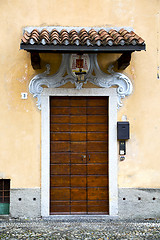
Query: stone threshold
{"type": "Point", "coordinates": [81, 217]}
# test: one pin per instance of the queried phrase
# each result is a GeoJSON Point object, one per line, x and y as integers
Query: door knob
{"type": "Point", "coordinates": [83, 157]}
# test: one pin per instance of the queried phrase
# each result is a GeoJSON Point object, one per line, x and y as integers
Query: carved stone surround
{"type": "Point", "coordinates": [101, 79]}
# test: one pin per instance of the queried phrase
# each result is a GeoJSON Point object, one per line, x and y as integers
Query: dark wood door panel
{"type": "Point", "coordinates": [97, 136]}
{"type": "Point", "coordinates": [97, 169]}
{"type": "Point", "coordinates": [78, 158]}
{"type": "Point", "coordinates": [60, 111]}
{"type": "Point", "coordinates": [60, 102]}
{"type": "Point", "coordinates": [78, 181]}
{"type": "Point", "coordinates": [97, 102]}
{"type": "Point", "coordinates": [97, 181]}
{"type": "Point", "coordinates": [81, 102]}
{"type": "Point", "coordinates": [98, 209]}
{"type": "Point", "coordinates": [97, 157]}
{"type": "Point", "coordinates": [56, 169]}
{"type": "Point", "coordinates": [60, 146]}
{"type": "Point", "coordinates": [59, 127]}
{"type": "Point", "coordinates": [60, 181]}
{"type": "Point", "coordinates": [78, 147]}
{"type": "Point", "coordinates": [78, 194]}
{"type": "Point", "coordinates": [61, 202]}
{"type": "Point", "coordinates": [60, 194]}
{"type": "Point", "coordinates": [60, 207]}
{"type": "Point", "coordinates": [96, 127]}
{"type": "Point", "coordinates": [97, 111]}
{"type": "Point", "coordinates": [78, 111]}
{"type": "Point", "coordinates": [78, 136]}
{"type": "Point", "coordinates": [97, 146]}
{"type": "Point", "coordinates": [97, 193]}
{"type": "Point", "coordinates": [78, 128]}
{"type": "Point", "coordinates": [60, 136]}
{"type": "Point", "coordinates": [79, 207]}
{"type": "Point", "coordinates": [60, 119]}
{"type": "Point", "coordinates": [61, 210]}
{"type": "Point", "coordinates": [97, 203]}
{"type": "Point", "coordinates": [59, 157]}
{"type": "Point", "coordinates": [78, 119]}
{"type": "Point", "coordinates": [78, 169]}
{"type": "Point", "coordinates": [97, 119]}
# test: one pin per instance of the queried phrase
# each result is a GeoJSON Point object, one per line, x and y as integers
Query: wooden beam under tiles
{"type": "Point", "coordinates": [124, 60]}
{"type": "Point", "coordinates": [35, 60]}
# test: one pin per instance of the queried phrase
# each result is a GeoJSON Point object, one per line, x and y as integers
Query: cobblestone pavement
{"type": "Point", "coordinates": [86, 229]}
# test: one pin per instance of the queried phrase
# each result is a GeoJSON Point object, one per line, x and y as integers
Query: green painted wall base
{"type": "Point", "coordinates": [4, 208]}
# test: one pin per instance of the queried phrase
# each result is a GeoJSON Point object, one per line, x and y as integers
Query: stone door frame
{"type": "Point", "coordinates": [45, 142]}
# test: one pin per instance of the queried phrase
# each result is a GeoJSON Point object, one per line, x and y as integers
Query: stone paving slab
{"type": "Point", "coordinates": [83, 228]}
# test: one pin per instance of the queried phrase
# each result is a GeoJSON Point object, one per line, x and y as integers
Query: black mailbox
{"type": "Point", "coordinates": [122, 130]}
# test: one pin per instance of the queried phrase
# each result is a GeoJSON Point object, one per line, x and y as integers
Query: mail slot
{"type": "Point", "coordinates": [122, 130]}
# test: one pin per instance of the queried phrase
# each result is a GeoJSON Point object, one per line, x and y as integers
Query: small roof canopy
{"type": "Point", "coordinates": [81, 40]}
{"type": "Point", "coordinates": [90, 40]}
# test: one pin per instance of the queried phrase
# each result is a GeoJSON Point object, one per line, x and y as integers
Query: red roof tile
{"type": "Point", "coordinates": [82, 37]}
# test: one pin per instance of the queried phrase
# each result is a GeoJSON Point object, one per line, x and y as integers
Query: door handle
{"type": "Point", "coordinates": [83, 157]}
{"type": "Point", "coordinates": [89, 158]}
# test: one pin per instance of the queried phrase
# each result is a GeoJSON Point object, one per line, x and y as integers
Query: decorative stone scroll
{"type": "Point", "coordinates": [99, 78]}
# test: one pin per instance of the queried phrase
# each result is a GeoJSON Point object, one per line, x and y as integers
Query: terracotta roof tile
{"type": "Point", "coordinates": [54, 37]}
{"type": "Point", "coordinates": [82, 37]}
{"type": "Point", "coordinates": [74, 38]}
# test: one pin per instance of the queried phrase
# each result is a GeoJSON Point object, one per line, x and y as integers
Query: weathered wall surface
{"type": "Point", "coordinates": [139, 203]}
{"type": "Point", "coordinates": [20, 119]}
{"type": "Point", "coordinates": [25, 202]}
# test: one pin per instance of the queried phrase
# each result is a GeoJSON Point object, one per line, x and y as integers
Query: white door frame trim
{"type": "Point", "coordinates": [45, 142]}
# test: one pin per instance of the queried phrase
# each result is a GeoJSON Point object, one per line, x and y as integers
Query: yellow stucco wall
{"type": "Point", "coordinates": [20, 119]}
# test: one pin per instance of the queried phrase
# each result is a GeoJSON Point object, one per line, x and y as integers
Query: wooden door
{"type": "Point", "coordinates": [79, 155]}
